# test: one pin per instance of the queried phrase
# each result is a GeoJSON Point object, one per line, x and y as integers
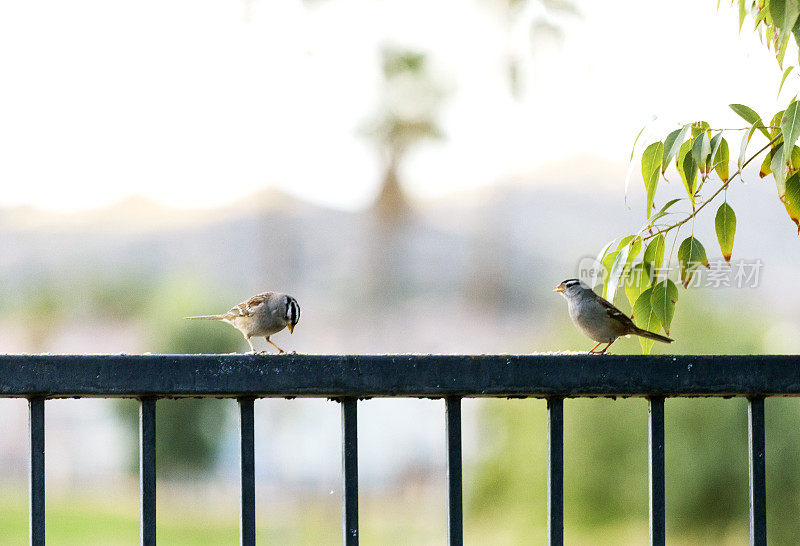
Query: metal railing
{"type": "Point", "coordinates": [350, 378]}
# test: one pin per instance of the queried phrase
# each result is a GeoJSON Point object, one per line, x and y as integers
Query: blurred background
{"type": "Point", "coordinates": [419, 175]}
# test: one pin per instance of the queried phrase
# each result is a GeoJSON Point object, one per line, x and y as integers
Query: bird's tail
{"type": "Point", "coordinates": [651, 335]}
{"type": "Point", "coordinates": [206, 317]}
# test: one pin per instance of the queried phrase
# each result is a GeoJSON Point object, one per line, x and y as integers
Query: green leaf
{"type": "Point", "coordinates": [691, 255]}
{"type": "Point", "coordinates": [687, 168]}
{"type": "Point", "coordinates": [608, 262]}
{"type": "Point", "coordinates": [766, 165]}
{"type": "Point", "coordinates": [715, 141]}
{"type": "Point", "coordinates": [605, 250]}
{"type": "Point", "coordinates": [699, 127]}
{"type": "Point", "coordinates": [783, 79]}
{"type": "Point", "coordinates": [654, 254]}
{"type": "Point", "coordinates": [633, 148]}
{"type": "Point", "coordinates": [651, 171]}
{"type": "Point", "coordinates": [672, 144]}
{"type": "Point", "coordinates": [784, 15]}
{"type": "Point", "coordinates": [745, 141]}
{"type": "Point", "coordinates": [645, 318]}
{"type": "Point", "coordinates": [670, 203]}
{"type": "Point", "coordinates": [725, 223]}
{"type": "Point", "coordinates": [776, 11]}
{"type": "Point", "coordinates": [635, 249]}
{"type": "Point", "coordinates": [796, 32]}
{"type": "Point", "coordinates": [652, 220]}
{"type": "Point", "coordinates": [776, 122]}
{"type": "Point", "coordinates": [779, 171]}
{"type": "Point", "coordinates": [791, 199]}
{"type": "Point", "coordinates": [742, 13]}
{"type": "Point", "coordinates": [783, 43]}
{"type": "Point", "coordinates": [791, 15]}
{"type": "Point", "coordinates": [721, 160]}
{"type": "Point", "coordinates": [768, 34]}
{"type": "Point", "coordinates": [701, 149]}
{"type": "Point", "coordinates": [762, 14]}
{"type": "Point", "coordinates": [790, 127]}
{"type": "Point", "coordinates": [637, 282]}
{"type": "Point", "coordinates": [621, 266]}
{"type": "Point", "coordinates": [774, 164]}
{"type": "Point", "coordinates": [625, 240]}
{"type": "Point", "coordinates": [663, 300]}
{"type": "Point", "coordinates": [615, 273]}
{"type": "Point", "coordinates": [663, 212]}
{"type": "Point", "coordinates": [750, 116]}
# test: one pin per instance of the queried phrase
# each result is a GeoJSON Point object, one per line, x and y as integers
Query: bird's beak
{"type": "Point", "coordinates": [290, 326]}
{"type": "Point", "coordinates": [559, 288]}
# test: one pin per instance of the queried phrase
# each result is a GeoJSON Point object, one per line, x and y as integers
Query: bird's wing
{"type": "Point", "coordinates": [615, 313]}
{"type": "Point", "coordinates": [248, 308]}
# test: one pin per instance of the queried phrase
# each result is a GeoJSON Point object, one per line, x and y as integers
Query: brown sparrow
{"type": "Point", "coordinates": [261, 315]}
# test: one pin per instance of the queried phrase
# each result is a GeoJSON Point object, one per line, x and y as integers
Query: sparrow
{"type": "Point", "coordinates": [261, 315]}
{"type": "Point", "coordinates": [598, 318]}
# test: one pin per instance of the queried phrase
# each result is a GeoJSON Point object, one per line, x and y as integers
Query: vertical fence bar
{"type": "Point", "coordinates": [555, 471]}
{"type": "Point", "coordinates": [247, 507]}
{"type": "Point", "coordinates": [349, 472]}
{"type": "Point", "coordinates": [758, 483]}
{"type": "Point", "coordinates": [657, 488]}
{"type": "Point", "coordinates": [147, 470]}
{"type": "Point", "coordinates": [455, 518]}
{"type": "Point", "coordinates": [36, 478]}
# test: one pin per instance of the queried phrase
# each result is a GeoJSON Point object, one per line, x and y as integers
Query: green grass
{"type": "Point", "coordinates": [69, 521]}
{"type": "Point", "coordinates": [414, 515]}
{"type": "Point", "coordinates": [190, 515]}
{"type": "Point", "coordinates": [114, 520]}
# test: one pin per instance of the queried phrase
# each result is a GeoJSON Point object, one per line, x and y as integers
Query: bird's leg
{"type": "Point", "coordinates": [252, 350]}
{"type": "Point", "coordinates": [595, 347]}
{"type": "Point", "coordinates": [606, 348]}
{"type": "Point", "coordinates": [280, 351]}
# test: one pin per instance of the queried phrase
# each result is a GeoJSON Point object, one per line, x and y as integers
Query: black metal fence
{"type": "Point", "coordinates": [350, 378]}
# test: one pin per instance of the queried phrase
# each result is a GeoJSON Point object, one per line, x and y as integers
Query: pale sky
{"type": "Point", "coordinates": [198, 104]}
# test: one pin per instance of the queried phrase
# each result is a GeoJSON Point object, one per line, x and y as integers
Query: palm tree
{"type": "Point", "coordinates": [407, 116]}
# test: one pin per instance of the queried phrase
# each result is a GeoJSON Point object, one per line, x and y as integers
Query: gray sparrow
{"type": "Point", "coordinates": [598, 318]}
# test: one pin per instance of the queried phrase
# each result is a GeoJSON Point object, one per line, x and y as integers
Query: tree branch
{"type": "Point", "coordinates": [716, 193]}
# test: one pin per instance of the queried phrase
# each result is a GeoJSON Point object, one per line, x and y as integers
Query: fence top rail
{"type": "Point", "coordinates": [364, 376]}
